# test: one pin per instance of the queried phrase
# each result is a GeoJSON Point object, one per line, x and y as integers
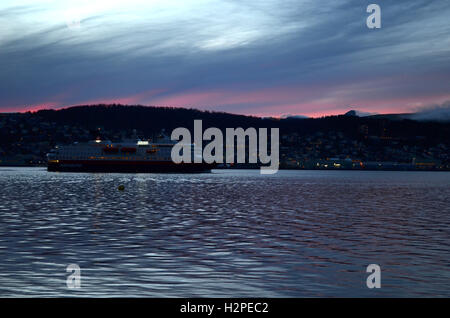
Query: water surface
{"type": "Point", "coordinates": [231, 233]}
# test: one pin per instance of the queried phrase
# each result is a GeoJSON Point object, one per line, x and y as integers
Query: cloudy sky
{"type": "Point", "coordinates": [265, 57]}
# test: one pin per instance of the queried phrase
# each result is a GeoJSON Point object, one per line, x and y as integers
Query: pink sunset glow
{"type": "Point", "coordinates": [277, 101]}
{"type": "Point", "coordinates": [264, 103]}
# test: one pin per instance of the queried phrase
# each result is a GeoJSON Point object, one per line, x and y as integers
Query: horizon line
{"type": "Point", "coordinates": [282, 116]}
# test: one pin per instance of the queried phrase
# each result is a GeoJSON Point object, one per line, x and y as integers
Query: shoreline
{"type": "Point", "coordinates": [281, 168]}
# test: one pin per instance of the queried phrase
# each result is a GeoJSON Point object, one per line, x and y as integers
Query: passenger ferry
{"type": "Point", "coordinates": [133, 155]}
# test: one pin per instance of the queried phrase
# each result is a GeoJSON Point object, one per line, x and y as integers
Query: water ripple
{"type": "Point", "coordinates": [224, 234]}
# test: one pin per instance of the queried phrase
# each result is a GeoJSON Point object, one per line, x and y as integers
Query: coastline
{"type": "Point", "coordinates": [244, 167]}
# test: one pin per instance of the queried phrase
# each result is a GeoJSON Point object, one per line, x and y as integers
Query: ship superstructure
{"type": "Point", "coordinates": [132, 155]}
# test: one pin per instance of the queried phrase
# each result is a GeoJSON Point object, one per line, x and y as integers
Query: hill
{"type": "Point", "coordinates": [27, 137]}
{"type": "Point", "coordinates": [149, 120]}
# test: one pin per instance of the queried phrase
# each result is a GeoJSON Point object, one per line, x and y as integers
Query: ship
{"type": "Point", "coordinates": [130, 156]}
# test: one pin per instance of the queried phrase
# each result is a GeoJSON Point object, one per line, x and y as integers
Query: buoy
{"type": "Point", "coordinates": [121, 187]}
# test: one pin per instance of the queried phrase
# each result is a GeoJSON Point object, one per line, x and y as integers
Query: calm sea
{"type": "Point", "coordinates": [230, 233]}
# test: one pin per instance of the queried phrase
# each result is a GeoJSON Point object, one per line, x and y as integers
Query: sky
{"type": "Point", "coordinates": [265, 58]}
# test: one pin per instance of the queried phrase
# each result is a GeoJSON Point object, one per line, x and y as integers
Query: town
{"type": "Point", "coordinates": [335, 142]}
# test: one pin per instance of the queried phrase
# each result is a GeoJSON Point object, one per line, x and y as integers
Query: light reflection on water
{"type": "Point", "coordinates": [231, 233]}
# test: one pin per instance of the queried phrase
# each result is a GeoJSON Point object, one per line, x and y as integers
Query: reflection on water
{"type": "Point", "coordinates": [228, 233]}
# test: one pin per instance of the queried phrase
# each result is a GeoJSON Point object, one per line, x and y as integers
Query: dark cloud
{"type": "Point", "coordinates": [321, 54]}
{"type": "Point", "coordinates": [433, 112]}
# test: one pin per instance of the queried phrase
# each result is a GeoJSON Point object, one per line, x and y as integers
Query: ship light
{"type": "Point", "coordinates": [142, 143]}
{"type": "Point", "coordinates": [98, 141]}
